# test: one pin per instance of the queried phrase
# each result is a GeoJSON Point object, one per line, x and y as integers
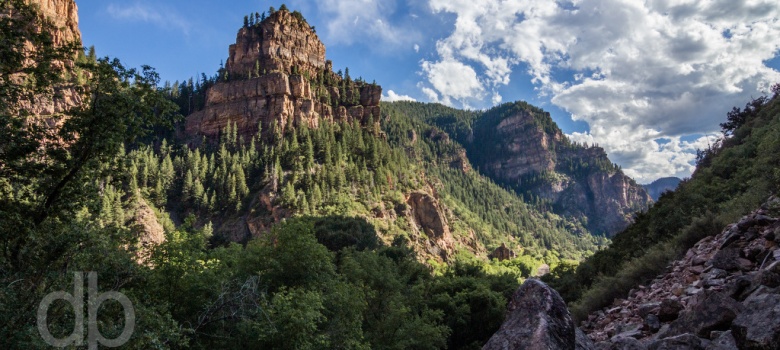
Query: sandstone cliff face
{"type": "Point", "coordinates": [277, 44]}
{"type": "Point", "coordinates": [64, 15]}
{"type": "Point", "coordinates": [277, 74]}
{"type": "Point", "coordinates": [64, 18]}
{"type": "Point", "coordinates": [525, 150]}
{"type": "Point", "coordinates": [428, 216]}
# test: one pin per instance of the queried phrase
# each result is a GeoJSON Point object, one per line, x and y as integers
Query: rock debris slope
{"type": "Point", "coordinates": [722, 295]}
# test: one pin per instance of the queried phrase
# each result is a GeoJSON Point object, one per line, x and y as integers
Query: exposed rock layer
{"type": "Point", "coordinates": [277, 74]}
{"type": "Point", "coordinates": [64, 18]}
{"type": "Point", "coordinates": [523, 148]}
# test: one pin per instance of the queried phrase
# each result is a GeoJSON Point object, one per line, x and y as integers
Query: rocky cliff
{"type": "Point", "coordinates": [276, 74]}
{"type": "Point", "coordinates": [64, 17]}
{"type": "Point", "coordinates": [520, 146]}
{"type": "Point", "coordinates": [64, 29]}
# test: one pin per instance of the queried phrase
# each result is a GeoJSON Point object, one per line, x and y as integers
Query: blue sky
{"type": "Point", "coordinates": [647, 80]}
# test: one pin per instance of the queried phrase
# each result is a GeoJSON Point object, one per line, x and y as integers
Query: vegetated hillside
{"type": "Point", "coordinates": [139, 219]}
{"type": "Point", "coordinates": [290, 137]}
{"type": "Point", "coordinates": [658, 187]}
{"type": "Point", "coordinates": [732, 178]}
{"type": "Point", "coordinates": [520, 147]}
{"type": "Point", "coordinates": [477, 202]}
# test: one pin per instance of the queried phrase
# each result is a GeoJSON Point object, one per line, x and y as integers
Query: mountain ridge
{"type": "Point", "coordinates": [658, 187]}
{"type": "Point", "coordinates": [519, 146]}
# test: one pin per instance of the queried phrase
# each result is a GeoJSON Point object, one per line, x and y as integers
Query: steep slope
{"type": "Point", "coordinates": [520, 147]}
{"type": "Point", "coordinates": [657, 187]}
{"type": "Point", "coordinates": [723, 290]}
{"type": "Point", "coordinates": [732, 178]}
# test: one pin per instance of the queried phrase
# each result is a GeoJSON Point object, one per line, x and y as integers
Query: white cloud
{"type": "Point", "coordinates": [160, 16]}
{"type": "Point", "coordinates": [351, 21]}
{"type": "Point", "coordinates": [453, 80]}
{"type": "Point", "coordinates": [635, 71]}
{"type": "Point", "coordinates": [392, 96]}
{"type": "Point", "coordinates": [416, 48]}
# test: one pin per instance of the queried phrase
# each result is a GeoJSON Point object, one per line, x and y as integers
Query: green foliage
{"type": "Point", "coordinates": [732, 178]}
{"type": "Point", "coordinates": [481, 205]}
{"type": "Point", "coordinates": [475, 133]}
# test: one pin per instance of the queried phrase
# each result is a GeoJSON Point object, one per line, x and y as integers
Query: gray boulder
{"type": "Point", "coordinates": [537, 319]}
{"type": "Point", "coordinates": [758, 326]}
{"type": "Point", "coordinates": [680, 342]}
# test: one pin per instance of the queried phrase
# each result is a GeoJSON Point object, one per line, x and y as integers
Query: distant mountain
{"type": "Point", "coordinates": [657, 187]}
{"type": "Point", "coordinates": [520, 147]}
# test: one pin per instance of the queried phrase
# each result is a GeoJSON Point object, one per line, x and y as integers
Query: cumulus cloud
{"type": "Point", "coordinates": [392, 96]}
{"type": "Point", "coordinates": [156, 14]}
{"type": "Point", "coordinates": [453, 80]}
{"type": "Point", "coordinates": [350, 21]}
{"type": "Point", "coordinates": [644, 75]}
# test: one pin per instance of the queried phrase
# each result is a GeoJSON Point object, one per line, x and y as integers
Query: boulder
{"type": "Point", "coordinates": [724, 341]}
{"type": "Point", "coordinates": [715, 312]}
{"type": "Point", "coordinates": [726, 259]}
{"type": "Point", "coordinates": [669, 310]}
{"type": "Point", "coordinates": [537, 319]}
{"type": "Point", "coordinates": [758, 326]}
{"type": "Point", "coordinates": [680, 342]}
{"type": "Point", "coordinates": [622, 344]}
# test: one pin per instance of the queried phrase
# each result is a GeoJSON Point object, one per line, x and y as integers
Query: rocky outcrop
{"type": "Point", "coordinates": [520, 146]}
{"type": "Point", "coordinates": [281, 43]}
{"type": "Point", "coordinates": [277, 75]}
{"type": "Point", "coordinates": [724, 294]}
{"type": "Point", "coordinates": [64, 16]}
{"type": "Point", "coordinates": [148, 229]}
{"type": "Point", "coordinates": [537, 318]}
{"type": "Point", "coordinates": [428, 216]}
{"type": "Point", "coordinates": [606, 199]}
{"type": "Point", "coordinates": [502, 253]}
{"type": "Point", "coordinates": [64, 30]}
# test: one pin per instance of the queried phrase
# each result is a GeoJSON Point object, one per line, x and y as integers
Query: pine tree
{"type": "Point", "coordinates": [231, 191]}
{"type": "Point", "coordinates": [233, 134]}
{"type": "Point", "coordinates": [316, 196]}
{"type": "Point", "coordinates": [309, 148]}
{"type": "Point", "coordinates": [133, 177]}
{"type": "Point", "coordinates": [288, 194]}
{"type": "Point", "coordinates": [241, 186]}
{"type": "Point", "coordinates": [188, 186]}
{"type": "Point", "coordinates": [198, 194]}
{"type": "Point", "coordinates": [277, 174]}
